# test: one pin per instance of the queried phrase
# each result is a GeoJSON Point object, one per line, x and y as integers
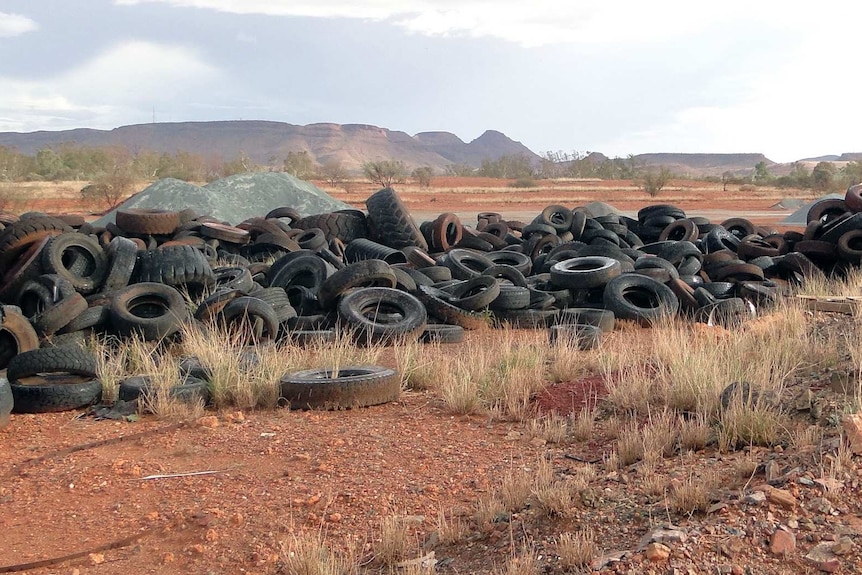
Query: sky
{"type": "Point", "coordinates": [616, 76]}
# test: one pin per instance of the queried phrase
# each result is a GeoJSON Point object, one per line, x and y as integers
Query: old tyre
{"type": "Point", "coordinates": [382, 315]}
{"type": "Point", "coordinates": [579, 336]}
{"type": "Point", "coordinates": [343, 388]}
{"type": "Point", "coordinates": [66, 359]}
{"type": "Point", "coordinates": [640, 299]}
{"type": "Point", "coordinates": [57, 316]}
{"type": "Point", "coordinates": [442, 333]}
{"type": "Point", "coordinates": [16, 335]}
{"type": "Point", "coordinates": [585, 272]}
{"type": "Point", "coordinates": [365, 273]}
{"type": "Point", "coordinates": [7, 401]}
{"type": "Point", "coordinates": [253, 316]}
{"type": "Point", "coordinates": [179, 266]}
{"type": "Point", "coordinates": [19, 236]}
{"type": "Point", "coordinates": [143, 221]}
{"type": "Point", "coordinates": [78, 258]}
{"type": "Point", "coordinates": [438, 304]}
{"type": "Point", "coordinates": [466, 264]}
{"type": "Point", "coordinates": [345, 226]}
{"type": "Point", "coordinates": [392, 222]}
{"type": "Point", "coordinates": [53, 397]}
{"type": "Point", "coordinates": [304, 268]}
{"type": "Point", "coordinates": [476, 293]}
{"type": "Point", "coordinates": [601, 318]}
{"type": "Point", "coordinates": [154, 310]}
{"type": "Point", "coordinates": [141, 388]}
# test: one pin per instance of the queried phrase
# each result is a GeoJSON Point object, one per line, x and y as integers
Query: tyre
{"type": "Point", "coordinates": [154, 310]}
{"type": "Point", "coordinates": [365, 273]}
{"type": "Point", "coordinates": [527, 318]}
{"type": "Point", "coordinates": [152, 222]}
{"type": "Point", "coordinates": [54, 397]}
{"type": "Point", "coordinates": [363, 311]}
{"type": "Point", "coordinates": [393, 225]}
{"type": "Point", "coordinates": [190, 390]}
{"type": "Point", "coordinates": [78, 258]}
{"type": "Point", "coordinates": [438, 306]}
{"type": "Point", "coordinates": [579, 336]}
{"type": "Point", "coordinates": [122, 256]}
{"type": "Point", "coordinates": [640, 299]}
{"type": "Point", "coordinates": [57, 316]}
{"type": "Point", "coordinates": [511, 297]}
{"type": "Point", "coordinates": [585, 272]}
{"type": "Point", "coordinates": [442, 333]}
{"type": "Point", "coordinates": [345, 226]}
{"type": "Point", "coordinates": [7, 402]}
{"type": "Point", "coordinates": [67, 359]}
{"type": "Point", "coordinates": [224, 233]}
{"type": "Point", "coordinates": [466, 264]}
{"type": "Point", "coordinates": [253, 316]}
{"type": "Point", "coordinates": [233, 277]}
{"type": "Point", "coordinates": [304, 268]}
{"type": "Point", "coordinates": [601, 318]}
{"type": "Point", "coordinates": [344, 388]}
{"type": "Point", "coordinates": [475, 294]}
{"type": "Point", "coordinates": [303, 338]}
{"type": "Point", "coordinates": [178, 266]}
{"type": "Point", "coordinates": [16, 335]}
{"type": "Point", "coordinates": [16, 238]}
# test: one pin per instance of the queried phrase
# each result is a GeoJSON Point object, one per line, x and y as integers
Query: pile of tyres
{"type": "Point", "coordinates": [384, 278]}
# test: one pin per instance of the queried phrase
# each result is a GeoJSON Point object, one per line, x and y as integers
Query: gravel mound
{"type": "Point", "coordinates": [800, 216]}
{"type": "Point", "coordinates": [235, 198]}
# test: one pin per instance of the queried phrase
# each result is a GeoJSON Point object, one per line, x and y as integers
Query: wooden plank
{"type": "Point", "coordinates": [836, 304]}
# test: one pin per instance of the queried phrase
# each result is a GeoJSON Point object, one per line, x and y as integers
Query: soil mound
{"type": "Point", "coordinates": [233, 199]}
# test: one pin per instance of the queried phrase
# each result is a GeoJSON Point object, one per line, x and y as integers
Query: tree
{"type": "Point", "coordinates": [761, 173]}
{"type": "Point", "coordinates": [385, 172]}
{"type": "Point", "coordinates": [423, 176]}
{"type": "Point", "coordinates": [726, 178]}
{"type": "Point", "coordinates": [654, 180]}
{"type": "Point", "coordinates": [460, 170]}
{"type": "Point", "coordinates": [333, 172]}
{"type": "Point", "coordinates": [852, 173]}
{"type": "Point", "coordinates": [299, 164]}
{"type": "Point", "coordinates": [822, 176]}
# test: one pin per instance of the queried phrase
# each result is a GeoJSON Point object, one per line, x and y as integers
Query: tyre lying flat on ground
{"type": "Point", "coordinates": [344, 388]}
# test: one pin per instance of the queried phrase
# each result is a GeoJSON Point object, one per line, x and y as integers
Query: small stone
{"type": "Point", "coordinates": [803, 402]}
{"type": "Point", "coordinates": [732, 547]}
{"type": "Point", "coordinates": [76, 571]}
{"type": "Point", "coordinates": [197, 549]}
{"type": "Point", "coordinates": [538, 442]}
{"type": "Point", "coordinates": [782, 543]}
{"type": "Point", "coordinates": [772, 471]}
{"type": "Point", "coordinates": [168, 558]}
{"type": "Point", "coordinates": [208, 421]}
{"type": "Point", "coordinates": [843, 546]}
{"type": "Point", "coordinates": [782, 498]}
{"type": "Point", "coordinates": [793, 524]}
{"type": "Point", "coordinates": [656, 552]}
{"type": "Point", "coordinates": [755, 498]}
{"type": "Point", "coordinates": [212, 535]}
{"type": "Point", "coordinates": [96, 558]}
{"type": "Point", "coordinates": [736, 570]}
{"type": "Point", "coordinates": [822, 557]}
{"type": "Point", "coordinates": [852, 425]}
{"type": "Point", "coordinates": [805, 481]}
{"type": "Point", "coordinates": [335, 517]}
{"type": "Point", "coordinates": [820, 505]}
{"type": "Point", "coordinates": [237, 518]}
{"type": "Point", "coordinates": [235, 417]}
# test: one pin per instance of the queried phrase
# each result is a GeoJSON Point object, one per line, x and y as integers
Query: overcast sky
{"type": "Point", "coordinates": [616, 76]}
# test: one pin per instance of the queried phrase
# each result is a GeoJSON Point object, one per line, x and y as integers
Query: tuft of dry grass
{"type": "Point", "coordinates": [694, 433]}
{"type": "Point", "coordinates": [395, 542]}
{"type": "Point", "coordinates": [524, 564]}
{"type": "Point", "coordinates": [552, 428]}
{"type": "Point", "coordinates": [582, 424]}
{"type": "Point", "coordinates": [111, 365]}
{"type": "Point", "coordinates": [516, 489]}
{"type": "Point", "coordinates": [309, 555]}
{"type": "Point", "coordinates": [420, 365]}
{"type": "Point", "coordinates": [660, 434]}
{"type": "Point", "coordinates": [450, 529]}
{"type": "Point", "coordinates": [692, 495]}
{"type": "Point", "coordinates": [577, 550]}
{"type": "Point", "coordinates": [753, 423]}
{"type": "Point", "coordinates": [630, 445]}
{"type": "Point", "coordinates": [488, 508]}
{"type": "Point", "coordinates": [558, 498]}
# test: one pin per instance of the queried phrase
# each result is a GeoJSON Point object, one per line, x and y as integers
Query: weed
{"type": "Point", "coordinates": [577, 550]}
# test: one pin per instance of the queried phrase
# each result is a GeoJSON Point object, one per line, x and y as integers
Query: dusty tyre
{"type": "Point", "coordinates": [16, 335]}
{"type": "Point", "coordinates": [442, 333]}
{"type": "Point", "coordinates": [345, 388]}
{"type": "Point", "coordinates": [579, 336]}
{"type": "Point", "coordinates": [53, 397]}
{"type": "Point", "coordinates": [51, 360]}
{"type": "Point", "coordinates": [19, 236]}
{"type": "Point", "coordinates": [364, 273]}
{"type": "Point", "coordinates": [141, 388]}
{"type": "Point", "coordinates": [54, 318]}
{"type": "Point", "coordinates": [585, 272]}
{"type": "Point", "coordinates": [601, 318]}
{"type": "Point", "coordinates": [122, 256]}
{"type": "Point", "coordinates": [346, 226]}
{"type": "Point", "coordinates": [7, 401]}
{"type": "Point", "coordinates": [381, 315]}
{"type": "Point", "coordinates": [142, 221]}
{"type": "Point", "coordinates": [392, 222]}
{"type": "Point", "coordinates": [154, 310]}
{"type": "Point", "coordinates": [253, 315]}
{"type": "Point", "coordinates": [78, 258]}
{"type": "Point", "coordinates": [437, 302]}
{"type": "Point", "coordinates": [640, 299]}
{"type": "Point", "coordinates": [178, 266]}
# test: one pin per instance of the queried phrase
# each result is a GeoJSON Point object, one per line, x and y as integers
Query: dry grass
{"type": "Point", "coordinates": [630, 445]}
{"type": "Point", "coordinates": [524, 564]}
{"type": "Point", "coordinates": [305, 554]}
{"type": "Point", "coordinates": [516, 489]}
{"type": "Point", "coordinates": [660, 434]}
{"type": "Point", "coordinates": [395, 542]}
{"type": "Point", "coordinates": [577, 550]}
{"type": "Point", "coordinates": [582, 424]}
{"type": "Point", "coordinates": [692, 495]}
{"type": "Point", "coordinates": [450, 529]}
{"type": "Point", "coordinates": [694, 433]}
{"type": "Point", "coordinates": [552, 428]}
{"type": "Point", "coordinates": [111, 365]}
{"type": "Point", "coordinates": [755, 423]}
{"type": "Point", "coordinates": [488, 508]}
{"type": "Point", "coordinates": [558, 498]}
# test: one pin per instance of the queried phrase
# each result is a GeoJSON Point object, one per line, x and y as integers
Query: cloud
{"type": "Point", "coordinates": [534, 23]}
{"type": "Point", "coordinates": [15, 24]}
{"type": "Point", "coordinates": [120, 85]}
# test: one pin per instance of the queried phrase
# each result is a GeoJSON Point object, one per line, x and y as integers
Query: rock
{"type": "Point", "coordinates": [782, 542]}
{"type": "Point", "coordinates": [828, 484]}
{"type": "Point", "coordinates": [820, 505]}
{"type": "Point", "coordinates": [208, 421]}
{"type": "Point", "coordinates": [656, 552]}
{"type": "Point", "coordinates": [803, 402]}
{"type": "Point", "coordinates": [807, 481]}
{"type": "Point", "coordinates": [843, 546]}
{"type": "Point", "coordinates": [732, 547]}
{"type": "Point", "coordinates": [663, 534]}
{"type": "Point", "coordinates": [782, 498]}
{"type": "Point", "coordinates": [852, 425]}
{"type": "Point", "coordinates": [772, 471]}
{"type": "Point", "coordinates": [755, 498]}
{"type": "Point", "coordinates": [96, 558]}
{"type": "Point", "coordinates": [822, 557]}
{"type": "Point", "coordinates": [844, 383]}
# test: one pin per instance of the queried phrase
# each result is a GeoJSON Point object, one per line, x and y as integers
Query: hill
{"type": "Point", "coordinates": [704, 164]}
{"type": "Point", "coordinates": [350, 144]}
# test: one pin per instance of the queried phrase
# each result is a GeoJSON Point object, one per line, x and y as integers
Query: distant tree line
{"type": "Point", "coordinates": [823, 177]}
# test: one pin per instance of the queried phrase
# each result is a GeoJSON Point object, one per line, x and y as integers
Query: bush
{"type": "Point", "coordinates": [654, 180]}
{"type": "Point", "coordinates": [524, 183]}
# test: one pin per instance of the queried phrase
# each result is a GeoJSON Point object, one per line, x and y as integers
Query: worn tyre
{"type": "Point", "coordinates": [392, 223]}
{"type": "Point", "coordinates": [442, 333]}
{"type": "Point", "coordinates": [143, 221]}
{"type": "Point", "coordinates": [78, 258]}
{"type": "Point", "coordinates": [53, 397]}
{"type": "Point", "coordinates": [7, 401]}
{"type": "Point", "coordinates": [65, 359]}
{"type": "Point", "coordinates": [585, 272]}
{"type": "Point", "coordinates": [382, 315]}
{"type": "Point", "coordinates": [364, 273]}
{"type": "Point", "coordinates": [16, 335]}
{"type": "Point", "coordinates": [345, 388]}
{"type": "Point", "coordinates": [579, 336]}
{"type": "Point", "coordinates": [154, 310]}
{"type": "Point", "coordinates": [640, 299]}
